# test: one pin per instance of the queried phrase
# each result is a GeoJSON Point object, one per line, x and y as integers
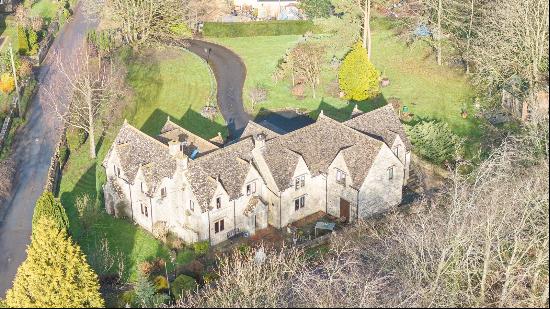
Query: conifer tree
{"type": "Point", "coordinates": [55, 273]}
{"type": "Point", "coordinates": [357, 76]}
{"type": "Point", "coordinates": [48, 206]}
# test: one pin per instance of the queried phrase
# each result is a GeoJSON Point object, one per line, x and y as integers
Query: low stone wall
{"type": "Point", "coordinates": [315, 242]}
{"type": "Point", "coordinates": [47, 41]}
{"type": "Point", "coordinates": [54, 172]}
{"type": "Point", "coordinates": [5, 131]}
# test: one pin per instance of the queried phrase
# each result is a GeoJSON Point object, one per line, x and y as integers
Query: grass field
{"type": "Point", "coordinates": [169, 82]}
{"type": "Point", "coordinates": [45, 8]}
{"type": "Point", "coordinates": [428, 90]}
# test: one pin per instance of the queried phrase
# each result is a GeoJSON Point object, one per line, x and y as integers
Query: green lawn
{"type": "Point", "coordinates": [428, 90]}
{"type": "Point", "coordinates": [45, 8]}
{"type": "Point", "coordinates": [176, 84]}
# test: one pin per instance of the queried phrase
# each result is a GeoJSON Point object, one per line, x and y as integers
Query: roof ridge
{"type": "Point", "coordinates": [184, 129]}
{"type": "Point", "coordinates": [223, 149]}
{"type": "Point", "coordinates": [126, 124]}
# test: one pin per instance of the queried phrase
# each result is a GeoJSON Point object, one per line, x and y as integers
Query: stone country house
{"type": "Point", "coordinates": [201, 190]}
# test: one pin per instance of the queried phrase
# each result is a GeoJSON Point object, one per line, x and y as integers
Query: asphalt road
{"type": "Point", "coordinates": [33, 149]}
{"type": "Point", "coordinates": [230, 73]}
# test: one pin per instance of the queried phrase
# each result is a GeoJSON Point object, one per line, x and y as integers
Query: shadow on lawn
{"type": "Point", "coordinates": [344, 113]}
{"type": "Point", "coordinates": [191, 121]}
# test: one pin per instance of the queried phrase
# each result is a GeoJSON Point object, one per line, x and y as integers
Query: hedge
{"type": "Point", "coordinates": [258, 28]}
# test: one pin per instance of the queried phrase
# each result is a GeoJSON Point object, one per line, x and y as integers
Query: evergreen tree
{"type": "Point", "coordinates": [48, 206]}
{"type": "Point", "coordinates": [434, 141]}
{"type": "Point", "coordinates": [55, 273]}
{"type": "Point", "coordinates": [145, 292]}
{"type": "Point", "coordinates": [357, 76]}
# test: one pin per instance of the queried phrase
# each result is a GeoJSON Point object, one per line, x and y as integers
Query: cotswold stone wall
{"type": "Point", "coordinates": [4, 131]}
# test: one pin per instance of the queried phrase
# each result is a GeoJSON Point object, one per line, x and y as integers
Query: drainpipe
{"type": "Point", "coordinates": [209, 237]}
{"type": "Point", "coordinates": [131, 201]}
{"type": "Point", "coordinates": [151, 203]}
{"type": "Point", "coordinates": [357, 206]}
{"type": "Point", "coordinates": [326, 194]}
{"type": "Point", "coordinates": [280, 211]}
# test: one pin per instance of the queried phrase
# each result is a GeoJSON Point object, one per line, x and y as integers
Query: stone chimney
{"type": "Point", "coordinates": [259, 141]}
{"type": "Point", "coordinates": [174, 148]}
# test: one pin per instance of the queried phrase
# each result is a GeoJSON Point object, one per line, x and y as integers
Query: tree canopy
{"type": "Point", "coordinates": [48, 206]}
{"type": "Point", "coordinates": [358, 77]}
{"type": "Point", "coordinates": [55, 273]}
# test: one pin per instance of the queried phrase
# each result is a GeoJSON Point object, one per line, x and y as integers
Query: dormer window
{"type": "Point", "coordinates": [340, 176]}
{"type": "Point", "coordinates": [300, 182]}
{"type": "Point", "coordinates": [163, 192]}
{"type": "Point", "coordinates": [396, 151]}
{"type": "Point", "coordinates": [251, 188]}
{"type": "Point", "coordinates": [390, 173]}
{"type": "Point", "coordinates": [218, 202]}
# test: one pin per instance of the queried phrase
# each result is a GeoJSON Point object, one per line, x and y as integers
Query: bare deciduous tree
{"type": "Point", "coordinates": [85, 90]}
{"type": "Point", "coordinates": [306, 62]}
{"type": "Point", "coordinates": [513, 41]}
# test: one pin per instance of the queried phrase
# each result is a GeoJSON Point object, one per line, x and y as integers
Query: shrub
{"type": "Point", "coordinates": [63, 154]}
{"type": "Point", "coordinates": [160, 231]}
{"type": "Point", "coordinates": [265, 28]}
{"type": "Point", "coordinates": [434, 141]}
{"type": "Point", "coordinates": [161, 283]}
{"type": "Point", "coordinates": [7, 83]}
{"type": "Point", "coordinates": [127, 298]}
{"type": "Point", "coordinates": [183, 284]}
{"type": "Point", "coordinates": [48, 206]}
{"type": "Point", "coordinates": [25, 68]}
{"type": "Point", "coordinates": [193, 269]}
{"type": "Point", "coordinates": [23, 41]}
{"type": "Point", "coordinates": [181, 30]}
{"type": "Point", "coordinates": [210, 277]}
{"type": "Point", "coordinates": [201, 247]}
{"type": "Point", "coordinates": [151, 268]}
{"type": "Point", "coordinates": [357, 76]}
{"type": "Point", "coordinates": [33, 41]}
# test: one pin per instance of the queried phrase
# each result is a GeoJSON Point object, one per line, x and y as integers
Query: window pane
{"type": "Point", "coordinates": [216, 227]}
{"type": "Point", "coordinates": [296, 204]}
{"type": "Point", "coordinates": [222, 225]}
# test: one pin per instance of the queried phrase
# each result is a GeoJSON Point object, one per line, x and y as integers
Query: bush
{"type": "Point", "coordinates": [33, 41]}
{"type": "Point", "coordinates": [127, 298]}
{"type": "Point", "coordinates": [151, 268]}
{"type": "Point", "coordinates": [161, 284]}
{"type": "Point", "coordinates": [210, 277]}
{"type": "Point", "coordinates": [22, 40]}
{"type": "Point", "coordinates": [201, 247]}
{"type": "Point", "coordinates": [266, 28]}
{"type": "Point", "coordinates": [183, 284]}
{"type": "Point", "coordinates": [48, 206]}
{"type": "Point", "coordinates": [7, 83]}
{"type": "Point", "coordinates": [434, 141]}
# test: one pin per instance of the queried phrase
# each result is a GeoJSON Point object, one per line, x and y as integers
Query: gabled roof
{"type": "Point", "coordinates": [318, 144]}
{"type": "Point", "coordinates": [173, 132]}
{"type": "Point", "coordinates": [381, 123]}
{"type": "Point", "coordinates": [136, 150]}
{"type": "Point", "coordinates": [228, 165]}
{"type": "Point", "coordinates": [253, 129]}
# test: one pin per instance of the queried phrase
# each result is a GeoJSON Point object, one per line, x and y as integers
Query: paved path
{"type": "Point", "coordinates": [33, 149]}
{"type": "Point", "coordinates": [230, 74]}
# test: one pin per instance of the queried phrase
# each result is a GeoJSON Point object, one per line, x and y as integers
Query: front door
{"type": "Point", "coordinates": [344, 209]}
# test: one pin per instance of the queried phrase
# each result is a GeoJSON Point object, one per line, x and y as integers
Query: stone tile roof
{"type": "Point", "coordinates": [359, 159]}
{"type": "Point", "coordinates": [318, 144]}
{"type": "Point", "coordinates": [136, 150]}
{"type": "Point", "coordinates": [228, 165]}
{"type": "Point", "coordinates": [381, 123]}
{"type": "Point", "coordinates": [172, 131]}
{"type": "Point", "coordinates": [253, 128]}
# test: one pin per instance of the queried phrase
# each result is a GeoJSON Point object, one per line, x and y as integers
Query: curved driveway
{"type": "Point", "coordinates": [33, 149]}
{"type": "Point", "coordinates": [230, 74]}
